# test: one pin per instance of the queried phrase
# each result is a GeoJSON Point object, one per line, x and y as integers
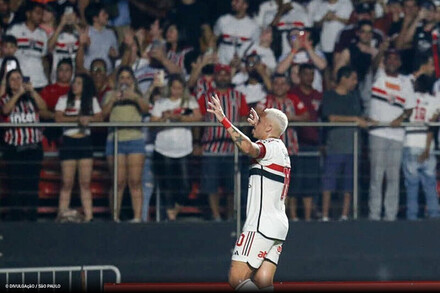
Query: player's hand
{"type": "Point", "coordinates": [253, 117]}
{"type": "Point", "coordinates": [215, 108]}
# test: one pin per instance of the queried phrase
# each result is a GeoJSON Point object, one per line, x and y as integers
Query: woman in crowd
{"type": "Point", "coordinates": [76, 152]}
{"type": "Point", "coordinates": [126, 104]}
{"type": "Point", "coordinates": [173, 146]}
{"type": "Point", "coordinates": [23, 152]}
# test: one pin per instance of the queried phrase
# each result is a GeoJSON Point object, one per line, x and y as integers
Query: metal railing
{"type": "Point", "coordinates": [82, 278]}
{"type": "Point", "coordinates": [237, 173]}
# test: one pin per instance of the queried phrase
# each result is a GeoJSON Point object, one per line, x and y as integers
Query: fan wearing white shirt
{"type": "Point", "coordinates": [419, 163]}
{"type": "Point", "coordinates": [392, 101]}
{"type": "Point", "coordinates": [235, 31]}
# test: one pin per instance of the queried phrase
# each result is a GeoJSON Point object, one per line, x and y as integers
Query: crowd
{"type": "Point", "coordinates": [364, 61]}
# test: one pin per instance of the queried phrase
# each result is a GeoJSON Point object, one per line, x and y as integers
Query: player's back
{"type": "Point", "coordinates": [269, 178]}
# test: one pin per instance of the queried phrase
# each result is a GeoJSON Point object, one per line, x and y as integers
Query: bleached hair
{"type": "Point", "coordinates": [278, 117]}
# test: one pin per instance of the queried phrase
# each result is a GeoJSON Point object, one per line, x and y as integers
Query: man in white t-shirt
{"type": "Point", "coordinates": [282, 17]}
{"type": "Point", "coordinates": [419, 162]}
{"type": "Point", "coordinates": [32, 44]}
{"type": "Point", "coordinates": [235, 31]}
{"type": "Point", "coordinates": [331, 16]}
{"type": "Point", "coordinates": [392, 102]}
{"type": "Point", "coordinates": [258, 248]}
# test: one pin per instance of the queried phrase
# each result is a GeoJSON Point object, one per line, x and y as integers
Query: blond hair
{"type": "Point", "coordinates": [279, 118]}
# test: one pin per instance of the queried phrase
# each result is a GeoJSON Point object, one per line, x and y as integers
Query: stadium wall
{"type": "Point", "coordinates": [200, 252]}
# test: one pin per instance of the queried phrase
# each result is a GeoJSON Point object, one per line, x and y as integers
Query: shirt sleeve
{"type": "Point", "coordinates": [61, 104]}
{"type": "Point", "coordinates": [157, 109]}
{"type": "Point", "coordinates": [96, 107]}
{"type": "Point", "coordinates": [262, 148]}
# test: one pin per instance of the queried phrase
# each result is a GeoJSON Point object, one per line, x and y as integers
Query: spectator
{"type": "Point", "coordinates": [173, 146]}
{"type": "Point", "coordinates": [364, 58]}
{"type": "Point", "coordinates": [7, 16]}
{"type": "Point", "coordinates": [307, 167]}
{"type": "Point", "coordinates": [131, 51]}
{"type": "Point", "coordinates": [190, 28]}
{"type": "Point", "coordinates": [392, 102]}
{"type": "Point", "coordinates": [9, 47]}
{"type": "Point", "coordinates": [23, 153]}
{"type": "Point", "coordinates": [76, 153]}
{"type": "Point", "coordinates": [151, 96]}
{"type": "Point", "coordinates": [418, 34]}
{"type": "Point", "coordinates": [201, 79]}
{"type": "Point", "coordinates": [419, 162]}
{"type": "Point", "coordinates": [263, 49]}
{"type": "Point", "coordinates": [156, 55]}
{"type": "Point", "coordinates": [32, 44]}
{"type": "Point", "coordinates": [121, 22]}
{"type": "Point", "coordinates": [177, 50]}
{"type": "Point", "coordinates": [255, 81]}
{"type": "Point", "coordinates": [102, 42]}
{"type": "Point", "coordinates": [302, 51]}
{"type": "Point", "coordinates": [49, 21]}
{"type": "Point", "coordinates": [64, 41]}
{"type": "Point", "coordinates": [67, 7]}
{"type": "Point", "coordinates": [364, 12]}
{"type": "Point", "coordinates": [234, 32]}
{"type": "Point", "coordinates": [398, 33]}
{"type": "Point", "coordinates": [125, 104]}
{"type": "Point", "coordinates": [218, 150]}
{"type": "Point", "coordinates": [295, 111]}
{"type": "Point", "coordinates": [282, 17]}
{"type": "Point", "coordinates": [340, 105]}
{"type": "Point", "coordinates": [51, 94]}
{"type": "Point", "coordinates": [331, 16]}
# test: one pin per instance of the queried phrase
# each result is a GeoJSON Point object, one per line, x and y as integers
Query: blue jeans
{"type": "Point", "coordinates": [147, 186]}
{"type": "Point", "coordinates": [416, 173]}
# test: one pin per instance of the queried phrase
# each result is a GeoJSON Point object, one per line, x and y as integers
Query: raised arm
{"type": "Point", "coordinates": [239, 138]}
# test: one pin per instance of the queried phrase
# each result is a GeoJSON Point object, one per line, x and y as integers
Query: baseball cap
{"type": "Point", "coordinates": [221, 67]}
{"type": "Point", "coordinates": [364, 7]}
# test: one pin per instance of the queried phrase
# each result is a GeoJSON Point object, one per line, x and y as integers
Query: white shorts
{"type": "Point", "coordinates": [253, 248]}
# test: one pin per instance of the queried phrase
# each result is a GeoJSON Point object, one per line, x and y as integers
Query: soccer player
{"type": "Point", "coordinates": [258, 248]}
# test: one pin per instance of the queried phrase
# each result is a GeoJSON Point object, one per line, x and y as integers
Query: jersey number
{"type": "Point", "coordinates": [420, 114]}
{"type": "Point", "coordinates": [286, 172]}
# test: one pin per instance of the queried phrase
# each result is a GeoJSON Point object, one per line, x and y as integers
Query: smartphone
{"type": "Point", "coordinates": [161, 77]}
{"type": "Point", "coordinates": [11, 65]}
{"type": "Point", "coordinates": [26, 79]}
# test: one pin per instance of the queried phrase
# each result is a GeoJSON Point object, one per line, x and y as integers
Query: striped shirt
{"type": "Point", "coordinates": [216, 139]}
{"type": "Point", "coordinates": [291, 105]}
{"type": "Point", "coordinates": [32, 46]}
{"type": "Point", "coordinates": [25, 111]}
{"type": "Point", "coordinates": [390, 97]}
{"type": "Point", "coordinates": [269, 177]}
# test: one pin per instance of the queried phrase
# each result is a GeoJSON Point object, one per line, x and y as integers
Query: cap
{"type": "Point", "coordinates": [221, 67]}
{"type": "Point", "coordinates": [364, 7]}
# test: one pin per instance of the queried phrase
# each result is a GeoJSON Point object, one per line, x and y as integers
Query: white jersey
{"type": "Point", "coordinates": [173, 142]}
{"type": "Point", "coordinates": [331, 29]}
{"type": "Point", "coordinates": [269, 178]}
{"type": "Point", "coordinates": [427, 106]}
{"type": "Point", "coordinates": [74, 111]}
{"type": "Point", "coordinates": [390, 97]}
{"type": "Point", "coordinates": [297, 17]}
{"type": "Point", "coordinates": [234, 33]}
{"type": "Point", "coordinates": [32, 47]}
{"type": "Point", "coordinates": [66, 47]}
